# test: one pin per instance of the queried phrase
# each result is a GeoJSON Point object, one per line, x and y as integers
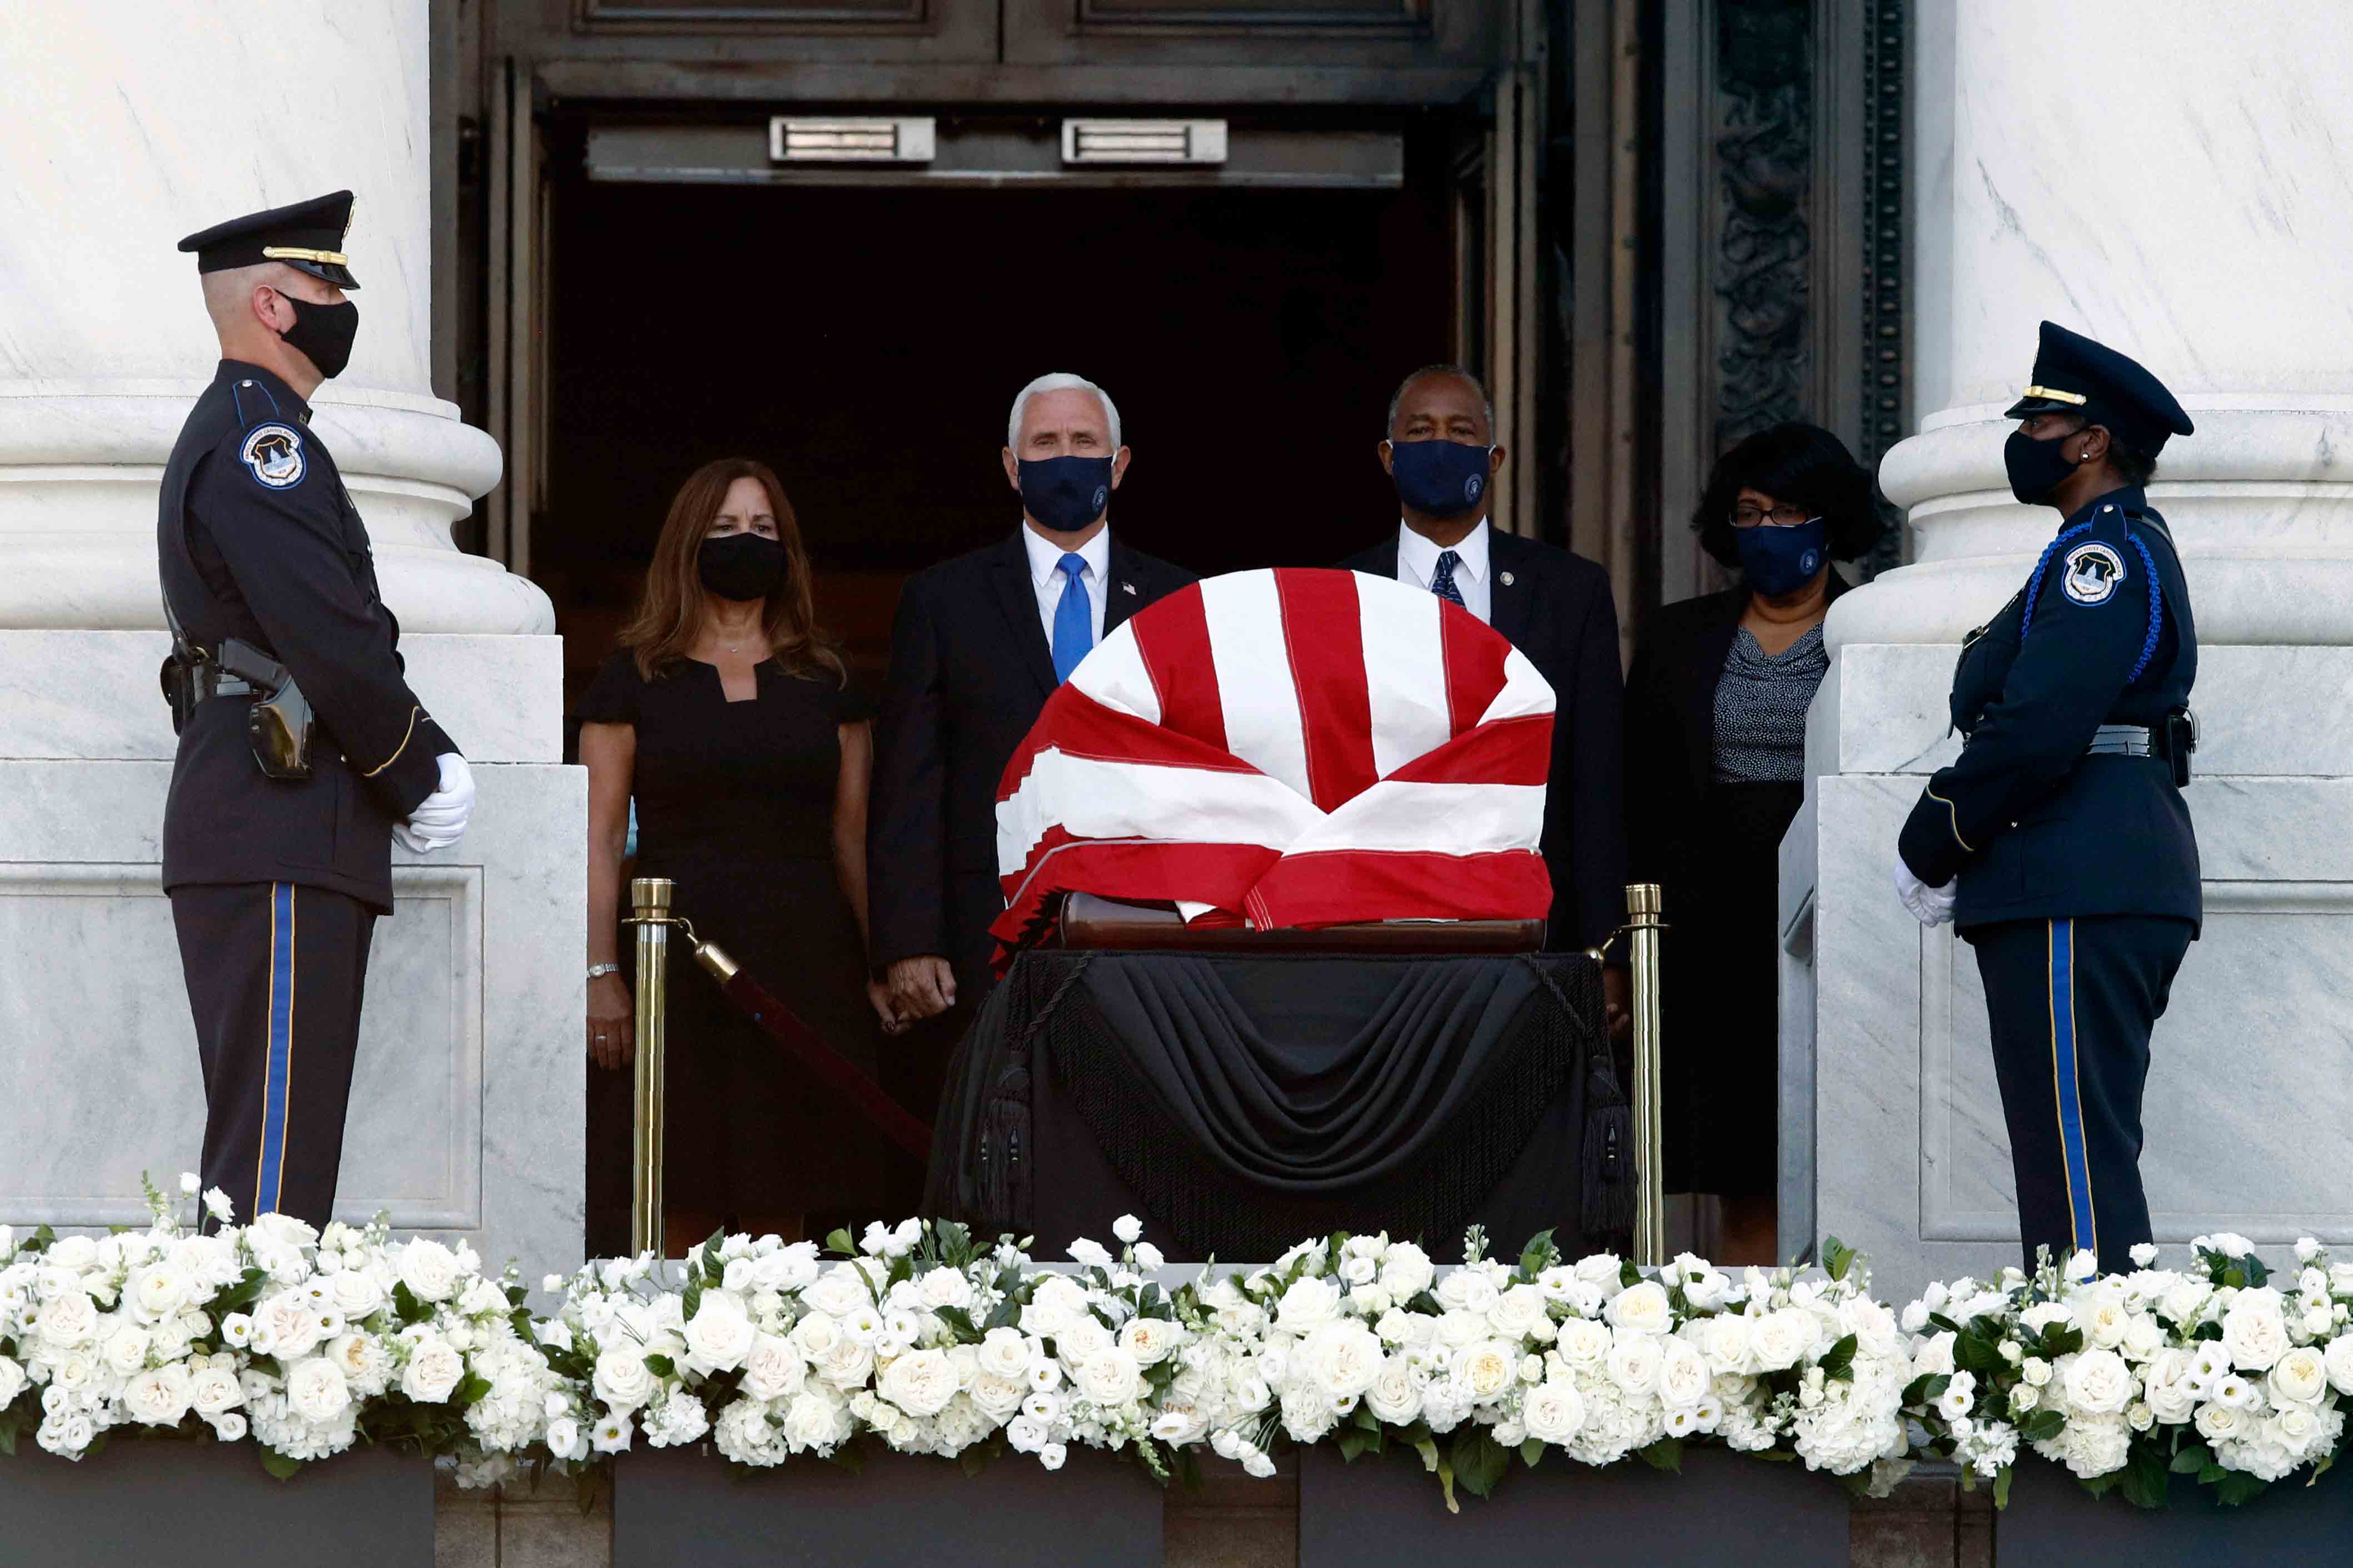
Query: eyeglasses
{"type": "Point", "coordinates": [1784, 516]}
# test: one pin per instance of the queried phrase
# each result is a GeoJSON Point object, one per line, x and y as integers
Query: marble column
{"type": "Point", "coordinates": [129, 128]}
{"type": "Point", "coordinates": [2168, 177]}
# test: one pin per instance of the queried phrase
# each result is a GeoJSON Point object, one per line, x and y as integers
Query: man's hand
{"type": "Point", "coordinates": [441, 818]}
{"type": "Point", "coordinates": [1930, 906]}
{"type": "Point", "coordinates": [878, 996]}
{"type": "Point", "coordinates": [1617, 1001]}
{"type": "Point", "coordinates": [922, 987]}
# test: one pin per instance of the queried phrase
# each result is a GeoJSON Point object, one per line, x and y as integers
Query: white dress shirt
{"type": "Point", "coordinates": [1046, 576]}
{"type": "Point", "coordinates": [1418, 563]}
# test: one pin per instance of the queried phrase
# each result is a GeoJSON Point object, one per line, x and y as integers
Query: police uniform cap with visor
{"type": "Point", "coordinates": [2074, 374]}
{"type": "Point", "coordinates": [305, 236]}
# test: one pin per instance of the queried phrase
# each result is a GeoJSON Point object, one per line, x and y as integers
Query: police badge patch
{"type": "Point", "coordinates": [273, 454]}
{"type": "Point", "coordinates": [2092, 573]}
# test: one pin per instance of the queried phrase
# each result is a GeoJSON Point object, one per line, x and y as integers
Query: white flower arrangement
{"type": "Point", "coordinates": [1361, 1340]}
{"type": "Point", "coordinates": [2126, 1380]}
{"type": "Point", "coordinates": [301, 1341]}
{"type": "Point", "coordinates": [920, 1337]}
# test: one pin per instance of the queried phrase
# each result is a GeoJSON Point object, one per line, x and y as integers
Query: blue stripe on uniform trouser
{"type": "Point", "coordinates": [2071, 1003]}
{"type": "Point", "coordinates": [275, 975]}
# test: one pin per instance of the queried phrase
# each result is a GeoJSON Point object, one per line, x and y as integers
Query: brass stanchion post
{"type": "Point", "coordinates": [1643, 901]}
{"type": "Point", "coordinates": [650, 897]}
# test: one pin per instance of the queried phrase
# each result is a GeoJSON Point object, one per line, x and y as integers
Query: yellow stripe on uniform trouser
{"type": "Point", "coordinates": [2071, 1003]}
{"type": "Point", "coordinates": [275, 975]}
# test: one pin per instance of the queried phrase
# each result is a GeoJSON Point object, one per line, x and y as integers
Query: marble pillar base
{"type": "Point", "coordinates": [1892, 1128]}
{"type": "Point", "coordinates": [466, 1116]}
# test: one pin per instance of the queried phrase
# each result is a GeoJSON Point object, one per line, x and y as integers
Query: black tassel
{"type": "Point", "coordinates": [1609, 1174]}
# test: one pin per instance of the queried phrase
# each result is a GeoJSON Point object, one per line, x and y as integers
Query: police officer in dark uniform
{"type": "Point", "coordinates": [302, 752]}
{"type": "Point", "coordinates": [2059, 842]}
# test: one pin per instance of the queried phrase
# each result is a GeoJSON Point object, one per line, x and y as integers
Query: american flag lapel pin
{"type": "Point", "coordinates": [1506, 579]}
{"type": "Point", "coordinates": [1127, 588]}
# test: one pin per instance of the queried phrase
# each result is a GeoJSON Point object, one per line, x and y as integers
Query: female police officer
{"type": "Point", "coordinates": [2059, 841]}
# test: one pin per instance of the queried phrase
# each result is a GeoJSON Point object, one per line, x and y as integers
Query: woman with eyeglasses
{"type": "Point", "coordinates": [1715, 752]}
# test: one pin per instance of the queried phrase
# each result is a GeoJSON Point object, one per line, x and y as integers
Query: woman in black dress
{"type": "Point", "coordinates": [1716, 754]}
{"type": "Point", "coordinates": [726, 716]}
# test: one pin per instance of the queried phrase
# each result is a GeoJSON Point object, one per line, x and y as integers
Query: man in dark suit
{"type": "Point", "coordinates": [1557, 609]}
{"type": "Point", "coordinates": [979, 644]}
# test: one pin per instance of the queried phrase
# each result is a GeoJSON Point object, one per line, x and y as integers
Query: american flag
{"type": "Point", "coordinates": [1291, 747]}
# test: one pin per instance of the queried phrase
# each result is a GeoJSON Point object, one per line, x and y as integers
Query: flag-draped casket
{"type": "Point", "coordinates": [1286, 748]}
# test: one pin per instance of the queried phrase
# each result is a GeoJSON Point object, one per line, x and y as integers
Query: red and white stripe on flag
{"type": "Point", "coordinates": [1295, 747]}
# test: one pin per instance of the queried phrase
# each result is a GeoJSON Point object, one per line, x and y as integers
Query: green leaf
{"type": "Point", "coordinates": [661, 1366]}
{"type": "Point", "coordinates": [1839, 1359]}
{"type": "Point", "coordinates": [469, 1392]}
{"type": "Point", "coordinates": [1364, 1419]}
{"type": "Point", "coordinates": [959, 1319]}
{"type": "Point", "coordinates": [974, 1461]}
{"type": "Point", "coordinates": [278, 1465]}
{"type": "Point", "coordinates": [8, 1435]}
{"type": "Point", "coordinates": [2001, 1488]}
{"type": "Point", "coordinates": [2145, 1476]}
{"type": "Point", "coordinates": [2237, 1489]}
{"type": "Point", "coordinates": [411, 1309]}
{"type": "Point", "coordinates": [1538, 1255]}
{"type": "Point", "coordinates": [1973, 1351]}
{"type": "Point", "coordinates": [1531, 1451]}
{"type": "Point", "coordinates": [2043, 1426]}
{"type": "Point", "coordinates": [1479, 1462]}
{"type": "Point", "coordinates": [1927, 1388]}
{"type": "Point", "coordinates": [2100, 1486]}
{"type": "Point", "coordinates": [2061, 1339]}
{"type": "Point", "coordinates": [1837, 1257]}
{"type": "Point", "coordinates": [1666, 1454]}
{"type": "Point", "coordinates": [840, 1241]}
{"type": "Point", "coordinates": [1007, 1314]}
{"type": "Point", "coordinates": [1353, 1443]}
{"type": "Point", "coordinates": [2192, 1459]}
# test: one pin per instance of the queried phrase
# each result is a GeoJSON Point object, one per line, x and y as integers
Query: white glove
{"type": "Point", "coordinates": [441, 818]}
{"type": "Point", "coordinates": [1930, 906]}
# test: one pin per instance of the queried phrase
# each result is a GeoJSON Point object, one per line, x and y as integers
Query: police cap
{"type": "Point", "coordinates": [2073, 375]}
{"type": "Point", "coordinates": [308, 236]}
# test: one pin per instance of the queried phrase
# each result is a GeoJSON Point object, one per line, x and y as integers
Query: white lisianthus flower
{"type": "Point", "coordinates": [12, 1381]}
{"type": "Point", "coordinates": [612, 1434]}
{"type": "Point", "coordinates": [1553, 1411]}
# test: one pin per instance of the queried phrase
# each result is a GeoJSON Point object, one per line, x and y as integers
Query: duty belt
{"type": "Point", "coordinates": [2122, 740]}
{"type": "Point", "coordinates": [211, 680]}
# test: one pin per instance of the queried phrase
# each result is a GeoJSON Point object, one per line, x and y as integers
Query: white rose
{"type": "Point", "coordinates": [1109, 1376]}
{"type": "Point", "coordinates": [435, 1370]}
{"type": "Point", "coordinates": [998, 1398]}
{"type": "Point", "coordinates": [1583, 1344]}
{"type": "Point", "coordinates": [1520, 1313]}
{"type": "Point", "coordinates": [158, 1291]}
{"type": "Point", "coordinates": [1341, 1359]}
{"type": "Point", "coordinates": [213, 1387]}
{"type": "Point", "coordinates": [2300, 1376]}
{"type": "Point", "coordinates": [1684, 1376]}
{"type": "Point", "coordinates": [2339, 1359]}
{"type": "Point", "coordinates": [2098, 1383]}
{"type": "Point", "coordinates": [1150, 1340]}
{"type": "Point", "coordinates": [316, 1390]}
{"type": "Point", "coordinates": [1782, 1339]}
{"type": "Point", "coordinates": [67, 1318]}
{"type": "Point", "coordinates": [1008, 1354]}
{"type": "Point", "coordinates": [361, 1358]}
{"type": "Point", "coordinates": [1487, 1370]}
{"type": "Point", "coordinates": [1634, 1363]}
{"type": "Point", "coordinates": [839, 1291]}
{"type": "Point", "coordinates": [2221, 1423]}
{"type": "Point", "coordinates": [944, 1287]}
{"type": "Point", "coordinates": [1081, 1337]}
{"type": "Point", "coordinates": [1359, 1270]}
{"type": "Point", "coordinates": [816, 1422]}
{"type": "Point", "coordinates": [847, 1364]}
{"type": "Point", "coordinates": [429, 1270]}
{"type": "Point", "coordinates": [920, 1382]}
{"type": "Point", "coordinates": [774, 1368]}
{"type": "Point", "coordinates": [1724, 1341]}
{"type": "Point", "coordinates": [12, 1381]}
{"type": "Point", "coordinates": [1467, 1289]}
{"type": "Point", "coordinates": [1406, 1271]}
{"type": "Point", "coordinates": [2255, 1331]}
{"type": "Point", "coordinates": [2102, 1315]}
{"type": "Point", "coordinates": [1554, 1411]}
{"type": "Point", "coordinates": [126, 1349]}
{"type": "Point", "coordinates": [721, 1334]}
{"type": "Point", "coordinates": [1128, 1228]}
{"type": "Point", "coordinates": [286, 1326]}
{"type": "Point", "coordinates": [1308, 1305]}
{"type": "Point", "coordinates": [816, 1335]}
{"type": "Point", "coordinates": [1641, 1309]}
{"type": "Point", "coordinates": [1395, 1395]}
{"type": "Point", "coordinates": [159, 1397]}
{"type": "Point", "coordinates": [622, 1380]}
{"type": "Point", "coordinates": [355, 1294]}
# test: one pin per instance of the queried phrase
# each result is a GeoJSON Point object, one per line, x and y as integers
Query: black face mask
{"type": "Point", "coordinates": [740, 566]}
{"type": "Point", "coordinates": [2036, 468]}
{"type": "Point", "coordinates": [1065, 494]}
{"type": "Point", "coordinates": [324, 334]}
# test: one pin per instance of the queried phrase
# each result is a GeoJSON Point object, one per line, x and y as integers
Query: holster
{"type": "Point", "coordinates": [279, 727]}
{"type": "Point", "coordinates": [2180, 739]}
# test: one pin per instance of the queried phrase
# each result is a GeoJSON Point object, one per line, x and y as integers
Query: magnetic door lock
{"type": "Point", "coordinates": [879, 140]}
{"type": "Point", "coordinates": [1144, 141]}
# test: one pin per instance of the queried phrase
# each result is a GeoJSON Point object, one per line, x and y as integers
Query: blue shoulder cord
{"type": "Point", "coordinates": [2155, 593]}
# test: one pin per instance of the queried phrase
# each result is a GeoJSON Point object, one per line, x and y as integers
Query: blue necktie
{"type": "Point", "coordinates": [1074, 625]}
{"type": "Point", "coordinates": [1442, 582]}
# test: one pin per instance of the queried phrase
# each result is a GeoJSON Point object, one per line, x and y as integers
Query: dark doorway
{"type": "Point", "coordinates": [868, 343]}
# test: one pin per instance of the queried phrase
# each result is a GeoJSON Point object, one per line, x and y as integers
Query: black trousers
{"type": "Point", "coordinates": [2072, 1003]}
{"type": "Point", "coordinates": [275, 972]}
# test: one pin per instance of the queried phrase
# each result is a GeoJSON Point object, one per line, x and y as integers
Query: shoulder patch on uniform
{"type": "Point", "coordinates": [273, 454]}
{"type": "Point", "coordinates": [2092, 575]}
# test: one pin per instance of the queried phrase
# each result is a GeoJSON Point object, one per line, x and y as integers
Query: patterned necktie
{"type": "Point", "coordinates": [1074, 630]}
{"type": "Point", "coordinates": [1442, 582]}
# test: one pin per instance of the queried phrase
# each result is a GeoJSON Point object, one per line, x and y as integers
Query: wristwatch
{"type": "Point", "coordinates": [598, 971]}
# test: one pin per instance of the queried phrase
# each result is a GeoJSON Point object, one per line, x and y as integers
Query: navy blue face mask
{"type": "Point", "coordinates": [1065, 494]}
{"type": "Point", "coordinates": [1438, 478]}
{"type": "Point", "coordinates": [1780, 561]}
